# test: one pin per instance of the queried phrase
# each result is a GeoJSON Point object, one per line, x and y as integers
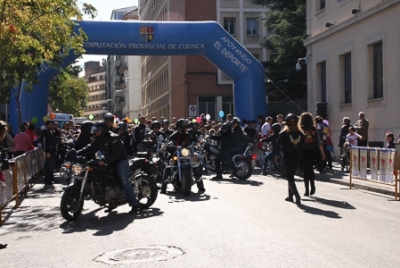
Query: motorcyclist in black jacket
{"type": "Point", "coordinates": [276, 148]}
{"type": "Point", "coordinates": [156, 131]}
{"type": "Point", "coordinates": [226, 141]}
{"type": "Point", "coordinates": [166, 129]}
{"type": "Point", "coordinates": [155, 134]}
{"type": "Point", "coordinates": [238, 141]}
{"type": "Point", "coordinates": [194, 131]}
{"type": "Point", "coordinates": [139, 135]}
{"type": "Point", "coordinates": [109, 120]}
{"type": "Point", "coordinates": [85, 136]}
{"type": "Point", "coordinates": [126, 138]}
{"type": "Point", "coordinates": [182, 138]}
{"type": "Point", "coordinates": [110, 145]}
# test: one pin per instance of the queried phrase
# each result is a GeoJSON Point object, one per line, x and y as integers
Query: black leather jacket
{"type": "Point", "coordinates": [83, 140]}
{"type": "Point", "coordinates": [183, 138]}
{"type": "Point", "coordinates": [110, 145]}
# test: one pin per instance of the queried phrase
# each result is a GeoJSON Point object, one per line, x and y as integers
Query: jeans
{"type": "Point", "coordinates": [267, 158]}
{"type": "Point", "coordinates": [123, 173]}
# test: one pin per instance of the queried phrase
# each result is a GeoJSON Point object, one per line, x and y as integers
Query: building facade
{"type": "Point", "coordinates": [123, 76]}
{"type": "Point", "coordinates": [353, 62]}
{"type": "Point", "coordinates": [182, 86]}
{"type": "Point", "coordinates": [97, 103]}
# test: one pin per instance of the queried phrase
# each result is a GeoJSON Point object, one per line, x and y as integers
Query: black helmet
{"type": "Point", "coordinates": [86, 126]}
{"type": "Point", "coordinates": [155, 124]}
{"type": "Point", "coordinates": [235, 120]}
{"type": "Point", "coordinates": [108, 116]}
{"type": "Point", "coordinates": [100, 125]}
{"type": "Point", "coordinates": [291, 119]}
{"type": "Point", "coordinates": [182, 123]}
{"type": "Point", "coordinates": [121, 125]}
{"type": "Point", "coordinates": [165, 122]}
{"type": "Point", "coordinates": [225, 126]}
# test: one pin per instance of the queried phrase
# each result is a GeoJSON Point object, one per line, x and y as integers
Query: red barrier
{"type": "Point", "coordinates": [377, 165]}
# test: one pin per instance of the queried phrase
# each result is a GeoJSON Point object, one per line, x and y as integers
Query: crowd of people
{"type": "Point", "coordinates": [302, 141]}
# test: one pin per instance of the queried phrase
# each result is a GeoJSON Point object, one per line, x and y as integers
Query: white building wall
{"type": "Point", "coordinates": [133, 95]}
{"type": "Point", "coordinates": [377, 21]}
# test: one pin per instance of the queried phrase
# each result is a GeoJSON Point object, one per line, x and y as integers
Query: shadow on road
{"type": "Point", "coordinates": [176, 196]}
{"type": "Point", "coordinates": [236, 181]}
{"type": "Point", "coordinates": [107, 224]}
{"type": "Point", "coordinates": [320, 212]}
{"type": "Point", "coordinates": [334, 203]}
{"type": "Point", "coordinates": [41, 212]}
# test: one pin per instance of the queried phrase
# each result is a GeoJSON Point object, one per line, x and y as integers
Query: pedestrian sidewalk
{"type": "Point", "coordinates": [339, 177]}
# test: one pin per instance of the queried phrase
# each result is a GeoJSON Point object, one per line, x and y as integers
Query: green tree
{"type": "Point", "coordinates": [34, 32]}
{"type": "Point", "coordinates": [286, 23]}
{"type": "Point", "coordinates": [68, 93]}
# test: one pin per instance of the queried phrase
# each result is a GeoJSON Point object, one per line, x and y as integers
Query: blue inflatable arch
{"type": "Point", "coordinates": [162, 38]}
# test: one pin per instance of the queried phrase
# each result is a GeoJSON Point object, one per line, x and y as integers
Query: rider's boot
{"type": "Point", "coordinates": [163, 188]}
{"type": "Point", "coordinates": [200, 185]}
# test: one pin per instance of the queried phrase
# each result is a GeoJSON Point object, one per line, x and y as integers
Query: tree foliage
{"type": "Point", "coordinates": [34, 32]}
{"type": "Point", "coordinates": [68, 93]}
{"type": "Point", "coordinates": [286, 23]}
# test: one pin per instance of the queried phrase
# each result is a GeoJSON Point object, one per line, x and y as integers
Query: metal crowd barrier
{"type": "Point", "coordinates": [374, 164]}
{"type": "Point", "coordinates": [18, 176]}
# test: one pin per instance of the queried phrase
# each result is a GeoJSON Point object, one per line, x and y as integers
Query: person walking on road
{"type": "Point", "coordinates": [290, 139]}
{"type": "Point", "coordinates": [310, 151]}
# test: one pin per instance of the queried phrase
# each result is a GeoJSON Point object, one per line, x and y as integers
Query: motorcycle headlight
{"type": "Point", "coordinates": [77, 169]}
{"type": "Point", "coordinates": [185, 152]}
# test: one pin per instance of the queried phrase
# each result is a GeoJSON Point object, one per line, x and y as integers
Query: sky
{"type": "Point", "coordinates": [104, 9]}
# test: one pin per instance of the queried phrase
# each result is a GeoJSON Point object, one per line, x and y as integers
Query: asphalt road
{"type": "Point", "coordinates": [234, 224]}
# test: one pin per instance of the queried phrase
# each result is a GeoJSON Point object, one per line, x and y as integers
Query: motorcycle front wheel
{"type": "Point", "coordinates": [187, 178]}
{"type": "Point", "coordinates": [243, 170]}
{"type": "Point", "coordinates": [70, 205]}
{"type": "Point", "coordinates": [147, 192]}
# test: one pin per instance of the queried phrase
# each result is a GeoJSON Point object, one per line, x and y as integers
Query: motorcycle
{"type": "Point", "coordinates": [160, 155]}
{"type": "Point", "coordinates": [102, 185]}
{"type": "Point", "coordinates": [67, 143]}
{"type": "Point", "coordinates": [179, 170]}
{"type": "Point", "coordinates": [156, 154]}
{"type": "Point", "coordinates": [242, 160]}
{"type": "Point", "coordinates": [275, 163]}
{"type": "Point", "coordinates": [66, 172]}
